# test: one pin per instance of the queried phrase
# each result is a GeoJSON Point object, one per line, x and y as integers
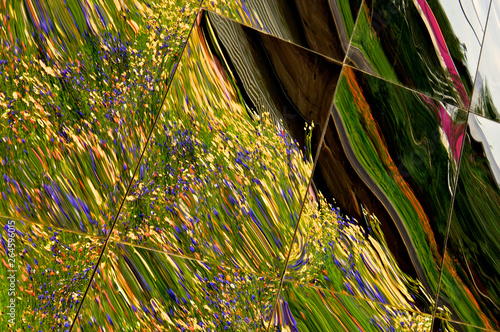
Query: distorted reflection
{"type": "Point", "coordinates": [48, 270]}
{"type": "Point", "coordinates": [486, 100]}
{"type": "Point", "coordinates": [406, 147]}
{"type": "Point", "coordinates": [81, 87]}
{"type": "Point", "coordinates": [142, 289]}
{"type": "Point", "coordinates": [423, 45]}
{"type": "Point", "coordinates": [470, 269]}
{"type": "Point", "coordinates": [222, 178]}
{"type": "Point", "coordinates": [303, 308]}
{"type": "Point", "coordinates": [486, 132]}
{"type": "Point", "coordinates": [319, 165]}
{"type": "Point", "coordinates": [340, 254]}
{"type": "Point", "coordinates": [320, 25]}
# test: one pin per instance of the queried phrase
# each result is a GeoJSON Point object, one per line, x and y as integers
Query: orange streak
{"type": "Point", "coordinates": [379, 144]}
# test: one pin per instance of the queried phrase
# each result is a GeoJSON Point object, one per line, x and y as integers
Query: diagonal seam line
{"type": "Point", "coordinates": [354, 30]}
{"type": "Point", "coordinates": [273, 278]}
{"type": "Point", "coordinates": [86, 234]}
{"type": "Point", "coordinates": [274, 36]}
{"type": "Point", "coordinates": [467, 324]}
{"type": "Point", "coordinates": [360, 298]}
{"type": "Point", "coordinates": [438, 291]}
{"type": "Point", "coordinates": [485, 117]}
{"type": "Point", "coordinates": [166, 54]}
{"type": "Point", "coordinates": [134, 174]}
{"type": "Point", "coordinates": [321, 142]}
{"type": "Point", "coordinates": [468, 21]}
{"type": "Point", "coordinates": [448, 228]}
{"type": "Point", "coordinates": [328, 118]}
{"type": "Point", "coordinates": [400, 85]}
{"type": "Point", "coordinates": [476, 74]}
{"type": "Point", "coordinates": [184, 257]}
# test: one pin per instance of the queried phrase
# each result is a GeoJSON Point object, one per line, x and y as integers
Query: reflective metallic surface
{"type": "Point", "coordinates": [379, 170]}
{"type": "Point", "coordinates": [250, 166]}
{"type": "Point", "coordinates": [302, 308]}
{"type": "Point", "coordinates": [320, 25]}
{"type": "Point", "coordinates": [153, 291]}
{"type": "Point", "coordinates": [340, 255]}
{"type": "Point", "coordinates": [74, 124]}
{"type": "Point", "coordinates": [441, 325]}
{"type": "Point", "coordinates": [486, 98]}
{"type": "Point", "coordinates": [471, 266]}
{"type": "Point", "coordinates": [427, 46]}
{"type": "Point", "coordinates": [395, 134]}
{"type": "Point", "coordinates": [218, 181]}
{"type": "Point", "coordinates": [49, 269]}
